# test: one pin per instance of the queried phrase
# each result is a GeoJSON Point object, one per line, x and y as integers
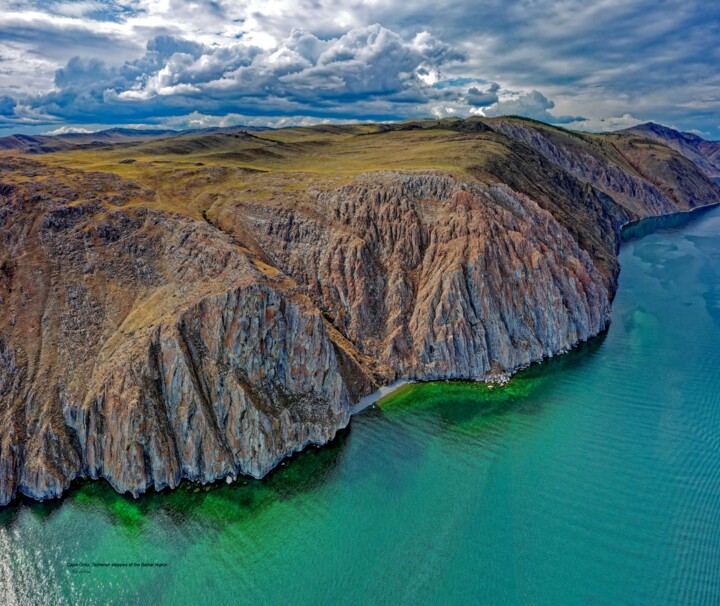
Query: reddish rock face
{"type": "Point", "coordinates": [145, 346]}
{"type": "Point", "coordinates": [439, 279]}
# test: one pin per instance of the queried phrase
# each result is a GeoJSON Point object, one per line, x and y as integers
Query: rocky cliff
{"type": "Point", "coordinates": [144, 347]}
{"type": "Point", "coordinates": [437, 278]}
{"type": "Point", "coordinates": [205, 317]}
{"type": "Point", "coordinates": [705, 154]}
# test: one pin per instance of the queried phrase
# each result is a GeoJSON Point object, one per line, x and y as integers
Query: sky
{"type": "Point", "coordinates": [84, 65]}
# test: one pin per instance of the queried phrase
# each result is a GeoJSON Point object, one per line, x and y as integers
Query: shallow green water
{"type": "Point", "coordinates": [591, 479]}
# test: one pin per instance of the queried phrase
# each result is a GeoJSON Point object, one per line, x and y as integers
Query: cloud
{"type": "Point", "coordinates": [367, 72]}
{"type": "Point", "coordinates": [200, 120]}
{"type": "Point", "coordinates": [482, 98]}
{"type": "Point", "coordinates": [611, 123]}
{"type": "Point", "coordinates": [66, 130]}
{"type": "Point", "coordinates": [7, 106]}
{"type": "Point", "coordinates": [532, 105]}
{"type": "Point", "coordinates": [56, 37]}
{"type": "Point", "coordinates": [132, 61]}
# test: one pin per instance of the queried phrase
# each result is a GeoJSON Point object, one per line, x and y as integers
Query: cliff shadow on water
{"type": "Point", "coordinates": [637, 230]}
{"type": "Point", "coordinates": [206, 504]}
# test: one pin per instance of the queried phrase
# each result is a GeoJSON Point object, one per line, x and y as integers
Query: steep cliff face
{"type": "Point", "coordinates": [183, 319]}
{"type": "Point", "coordinates": [145, 347]}
{"type": "Point", "coordinates": [438, 278]}
{"type": "Point", "coordinates": [615, 167]}
{"type": "Point", "coordinates": [704, 154]}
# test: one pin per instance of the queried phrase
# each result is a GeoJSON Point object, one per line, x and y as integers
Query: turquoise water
{"type": "Point", "coordinates": [591, 479]}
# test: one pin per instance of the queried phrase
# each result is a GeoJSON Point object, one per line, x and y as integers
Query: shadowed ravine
{"type": "Point", "coordinates": [590, 478]}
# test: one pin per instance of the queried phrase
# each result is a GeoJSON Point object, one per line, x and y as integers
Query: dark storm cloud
{"type": "Point", "coordinates": [483, 98]}
{"type": "Point", "coordinates": [368, 72]}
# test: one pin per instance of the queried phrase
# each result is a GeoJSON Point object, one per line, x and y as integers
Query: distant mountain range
{"type": "Point", "coordinates": [54, 143]}
{"type": "Point", "coordinates": [705, 154]}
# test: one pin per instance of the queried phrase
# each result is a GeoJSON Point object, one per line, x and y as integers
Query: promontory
{"type": "Point", "coordinates": [201, 305]}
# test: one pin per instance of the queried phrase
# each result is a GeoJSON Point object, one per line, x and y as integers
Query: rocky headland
{"type": "Point", "coordinates": [202, 306]}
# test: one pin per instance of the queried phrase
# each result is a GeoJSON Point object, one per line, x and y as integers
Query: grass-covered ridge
{"type": "Point", "coordinates": [191, 173]}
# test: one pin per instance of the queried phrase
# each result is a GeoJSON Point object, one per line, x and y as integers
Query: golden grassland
{"type": "Point", "coordinates": [189, 174]}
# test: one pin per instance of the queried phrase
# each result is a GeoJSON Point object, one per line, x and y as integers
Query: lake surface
{"type": "Point", "coordinates": [590, 479]}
